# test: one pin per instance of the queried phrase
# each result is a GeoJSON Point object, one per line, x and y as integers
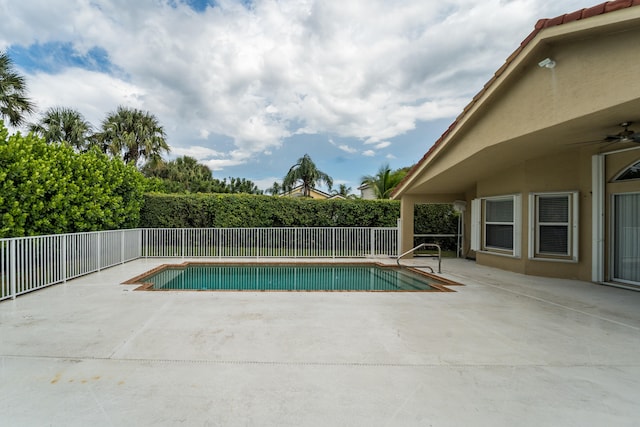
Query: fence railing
{"type": "Point", "coordinates": [270, 242]}
{"type": "Point", "coordinates": [30, 263]}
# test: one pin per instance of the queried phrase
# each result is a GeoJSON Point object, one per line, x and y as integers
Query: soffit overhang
{"type": "Point", "coordinates": [428, 178]}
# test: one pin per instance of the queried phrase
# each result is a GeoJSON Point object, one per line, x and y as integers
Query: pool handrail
{"type": "Point", "coordinates": [421, 245]}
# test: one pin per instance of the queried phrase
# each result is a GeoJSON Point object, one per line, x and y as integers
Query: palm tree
{"type": "Point", "coordinates": [275, 189]}
{"type": "Point", "coordinates": [384, 181]}
{"type": "Point", "coordinates": [343, 191]}
{"type": "Point", "coordinates": [64, 125]}
{"type": "Point", "coordinates": [13, 87]}
{"type": "Point", "coordinates": [306, 172]}
{"type": "Point", "coordinates": [183, 174]}
{"type": "Point", "coordinates": [134, 135]}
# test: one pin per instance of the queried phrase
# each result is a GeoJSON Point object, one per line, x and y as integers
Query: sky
{"type": "Point", "coordinates": [248, 87]}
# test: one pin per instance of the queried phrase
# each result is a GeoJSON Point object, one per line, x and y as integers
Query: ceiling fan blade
{"type": "Point", "coordinates": [613, 138]}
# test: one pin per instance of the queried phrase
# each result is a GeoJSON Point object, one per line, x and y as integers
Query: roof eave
{"type": "Point", "coordinates": [540, 34]}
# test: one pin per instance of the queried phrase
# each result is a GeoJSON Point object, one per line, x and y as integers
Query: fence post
{"type": "Point", "coordinates": [122, 246]}
{"type": "Point", "coordinates": [144, 242]}
{"type": "Point", "coordinates": [372, 238]}
{"type": "Point", "coordinates": [182, 239]}
{"type": "Point", "coordinates": [63, 258]}
{"type": "Point", "coordinates": [98, 249]}
{"type": "Point", "coordinates": [333, 243]}
{"type": "Point", "coordinates": [259, 239]}
{"type": "Point", "coordinates": [399, 237]}
{"type": "Point", "coordinates": [12, 268]}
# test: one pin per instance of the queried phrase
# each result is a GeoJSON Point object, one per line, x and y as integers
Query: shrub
{"type": "Point", "coordinates": [245, 210]}
{"type": "Point", "coordinates": [49, 189]}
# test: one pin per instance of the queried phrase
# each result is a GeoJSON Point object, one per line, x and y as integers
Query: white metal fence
{"type": "Point", "coordinates": [30, 263]}
{"type": "Point", "coordinates": [270, 242]}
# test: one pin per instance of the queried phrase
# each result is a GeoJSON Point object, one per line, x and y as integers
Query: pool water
{"type": "Point", "coordinates": [288, 278]}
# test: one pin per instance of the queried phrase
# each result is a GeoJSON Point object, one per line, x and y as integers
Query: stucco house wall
{"type": "Point", "coordinates": [536, 130]}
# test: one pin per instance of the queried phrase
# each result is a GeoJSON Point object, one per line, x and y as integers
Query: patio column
{"type": "Point", "coordinates": [407, 206]}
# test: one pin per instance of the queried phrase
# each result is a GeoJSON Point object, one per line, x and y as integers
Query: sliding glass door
{"type": "Point", "coordinates": [626, 238]}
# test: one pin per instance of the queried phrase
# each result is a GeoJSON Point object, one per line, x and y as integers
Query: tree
{"type": "Point", "coordinates": [64, 125]}
{"type": "Point", "coordinates": [306, 172]}
{"type": "Point", "coordinates": [181, 175]}
{"type": "Point", "coordinates": [343, 191]}
{"type": "Point", "coordinates": [275, 189]}
{"type": "Point", "coordinates": [51, 189]}
{"type": "Point", "coordinates": [384, 181]}
{"type": "Point", "coordinates": [186, 175]}
{"type": "Point", "coordinates": [242, 185]}
{"type": "Point", "coordinates": [133, 135]}
{"type": "Point", "coordinates": [14, 103]}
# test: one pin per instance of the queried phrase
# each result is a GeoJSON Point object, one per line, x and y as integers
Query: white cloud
{"type": "Point", "coordinates": [93, 94]}
{"type": "Point", "coordinates": [196, 152]}
{"type": "Point", "coordinates": [370, 70]}
{"type": "Point", "coordinates": [344, 147]}
{"type": "Point", "coordinates": [348, 149]}
{"type": "Point", "coordinates": [265, 183]}
{"type": "Point", "coordinates": [220, 164]}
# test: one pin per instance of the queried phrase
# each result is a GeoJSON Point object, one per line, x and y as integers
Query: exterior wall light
{"type": "Point", "coordinates": [547, 63]}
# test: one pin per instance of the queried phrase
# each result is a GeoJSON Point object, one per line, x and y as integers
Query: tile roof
{"type": "Point", "coordinates": [602, 8]}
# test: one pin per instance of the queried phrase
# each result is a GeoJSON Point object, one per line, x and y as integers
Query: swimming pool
{"type": "Point", "coordinates": [287, 277]}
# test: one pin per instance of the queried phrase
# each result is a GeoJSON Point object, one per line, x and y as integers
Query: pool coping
{"type": "Point", "coordinates": [439, 286]}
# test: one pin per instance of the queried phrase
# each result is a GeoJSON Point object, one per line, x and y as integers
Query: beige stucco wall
{"type": "Point", "coordinates": [531, 111]}
{"type": "Point", "coordinates": [566, 172]}
{"type": "Point", "coordinates": [531, 129]}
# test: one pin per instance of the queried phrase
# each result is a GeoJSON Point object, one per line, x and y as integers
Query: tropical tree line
{"type": "Point", "coordinates": [186, 175]}
{"type": "Point", "coordinates": [67, 175]}
{"type": "Point", "coordinates": [137, 138]}
{"type": "Point", "coordinates": [305, 173]}
{"type": "Point", "coordinates": [132, 135]}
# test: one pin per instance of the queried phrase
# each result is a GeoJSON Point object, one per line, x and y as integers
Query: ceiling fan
{"type": "Point", "coordinates": [626, 135]}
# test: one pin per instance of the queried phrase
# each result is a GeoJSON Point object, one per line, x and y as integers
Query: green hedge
{"type": "Point", "coordinates": [50, 189]}
{"type": "Point", "coordinates": [245, 210]}
{"type": "Point", "coordinates": [436, 219]}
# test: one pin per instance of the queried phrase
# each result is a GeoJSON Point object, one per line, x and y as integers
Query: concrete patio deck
{"type": "Point", "coordinates": [504, 350]}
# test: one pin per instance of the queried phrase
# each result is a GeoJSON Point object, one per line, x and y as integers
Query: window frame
{"type": "Point", "coordinates": [479, 226]}
{"type": "Point", "coordinates": [632, 168]}
{"type": "Point", "coordinates": [571, 224]}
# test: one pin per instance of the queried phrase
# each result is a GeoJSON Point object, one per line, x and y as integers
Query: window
{"type": "Point", "coordinates": [496, 225]}
{"type": "Point", "coordinates": [554, 219]}
{"type": "Point", "coordinates": [632, 172]}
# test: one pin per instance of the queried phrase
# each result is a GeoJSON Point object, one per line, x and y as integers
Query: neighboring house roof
{"type": "Point", "coordinates": [542, 24]}
{"type": "Point", "coordinates": [315, 193]}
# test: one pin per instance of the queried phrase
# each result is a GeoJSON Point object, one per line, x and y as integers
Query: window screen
{"type": "Point", "coordinates": [499, 223]}
{"type": "Point", "coordinates": [553, 224]}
